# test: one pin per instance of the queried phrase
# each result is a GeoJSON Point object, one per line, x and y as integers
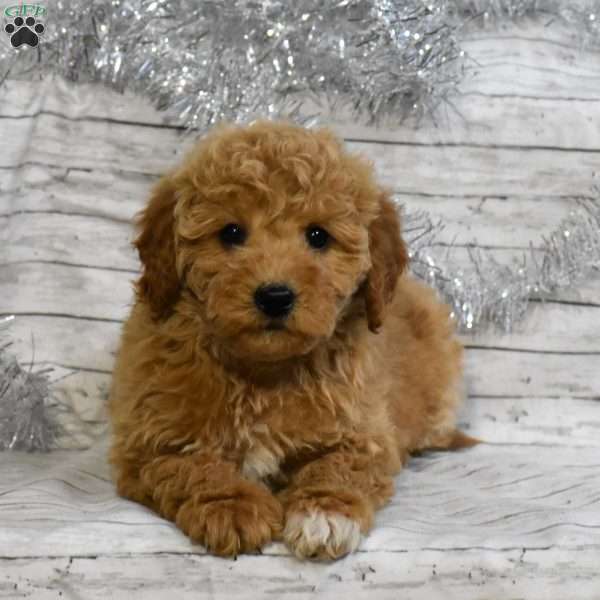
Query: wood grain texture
{"type": "Point", "coordinates": [516, 517]}
{"type": "Point", "coordinates": [405, 167]}
{"type": "Point", "coordinates": [454, 575]}
{"type": "Point", "coordinates": [417, 576]}
{"type": "Point", "coordinates": [492, 497]}
{"type": "Point", "coordinates": [532, 421]}
{"type": "Point", "coordinates": [491, 523]}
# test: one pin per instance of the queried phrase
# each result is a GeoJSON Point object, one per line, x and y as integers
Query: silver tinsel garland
{"type": "Point", "coordinates": [583, 15]}
{"type": "Point", "coordinates": [217, 60]}
{"type": "Point", "coordinates": [211, 60]}
{"type": "Point", "coordinates": [205, 61]}
{"type": "Point", "coordinates": [25, 424]}
{"type": "Point", "coordinates": [490, 293]}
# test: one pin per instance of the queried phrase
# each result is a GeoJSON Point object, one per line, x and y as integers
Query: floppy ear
{"type": "Point", "coordinates": [389, 258]}
{"type": "Point", "coordinates": [159, 284]}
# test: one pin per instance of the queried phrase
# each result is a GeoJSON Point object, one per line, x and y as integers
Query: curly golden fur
{"type": "Point", "coordinates": [243, 428]}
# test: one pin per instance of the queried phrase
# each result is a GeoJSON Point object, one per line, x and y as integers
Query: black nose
{"type": "Point", "coordinates": [274, 300]}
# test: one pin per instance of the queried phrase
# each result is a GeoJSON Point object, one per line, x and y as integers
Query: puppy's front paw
{"type": "Point", "coordinates": [321, 534]}
{"type": "Point", "coordinates": [324, 522]}
{"type": "Point", "coordinates": [233, 523]}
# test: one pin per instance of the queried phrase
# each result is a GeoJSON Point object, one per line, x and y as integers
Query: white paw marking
{"type": "Point", "coordinates": [320, 534]}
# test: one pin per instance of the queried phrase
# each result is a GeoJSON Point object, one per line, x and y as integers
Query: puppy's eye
{"type": "Point", "coordinates": [232, 235]}
{"type": "Point", "coordinates": [317, 237]}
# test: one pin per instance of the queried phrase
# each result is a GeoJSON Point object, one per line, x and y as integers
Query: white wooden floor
{"type": "Point", "coordinates": [518, 517]}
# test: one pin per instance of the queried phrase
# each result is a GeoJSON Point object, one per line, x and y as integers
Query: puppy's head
{"type": "Point", "coordinates": [274, 233]}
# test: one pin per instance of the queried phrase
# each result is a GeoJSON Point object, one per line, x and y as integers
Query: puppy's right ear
{"type": "Point", "coordinates": [389, 258]}
{"type": "Point", "coordinates": [159, 284]}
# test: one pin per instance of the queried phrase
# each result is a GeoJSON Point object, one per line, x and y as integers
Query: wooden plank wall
{"type": "Point", "coordinates": [519, 516]}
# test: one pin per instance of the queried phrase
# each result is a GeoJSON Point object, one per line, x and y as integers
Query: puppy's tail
{"type": "Point", "coordinates": [460, 440]}
{"type": "Point", "coordinates": [454, 440]}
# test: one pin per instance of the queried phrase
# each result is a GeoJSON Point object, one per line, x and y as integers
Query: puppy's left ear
{"type": "Point", "coordinates": [159, 285]}
{"type": "Point", "coordinates": [389, 257]}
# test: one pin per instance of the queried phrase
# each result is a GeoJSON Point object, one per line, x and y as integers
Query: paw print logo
{"type": "Point", "coordinates": [24, 31]}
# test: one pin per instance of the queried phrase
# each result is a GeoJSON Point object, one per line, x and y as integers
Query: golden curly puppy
{"type": "Point", "coordinates": [251, 398]}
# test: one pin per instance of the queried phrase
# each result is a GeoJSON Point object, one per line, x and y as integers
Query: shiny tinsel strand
{"type": "Point", "coordinates": [219, 60]}
{"type": "Point", "coordinates": [582, 15]}
{"type": "Point", "coordinates": [24, 420]}
{"type": "Point", "coordinates": [212, 60]}
{"type": "Point", "coordinates": [488, 293]}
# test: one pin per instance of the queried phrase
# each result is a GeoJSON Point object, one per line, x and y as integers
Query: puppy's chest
{"type": "Point", "coordinates": [264, 430]}
{"type": "Point", "coordinates": [288, 427]}
{"type": "Point", "coordinates": [263, 455]}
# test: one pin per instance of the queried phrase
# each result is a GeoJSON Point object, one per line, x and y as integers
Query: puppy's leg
{"type": "Point", "coordinates": [209, 501]}
{"type": "Point", "coordinates": [331, 501]}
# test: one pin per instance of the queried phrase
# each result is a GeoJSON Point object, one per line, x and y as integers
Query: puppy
{"type": "Point", "coordinates": [252, 399]}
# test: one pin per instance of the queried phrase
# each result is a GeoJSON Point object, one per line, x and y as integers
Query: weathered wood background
{"type": "Point", "coordinates": [518, 517]}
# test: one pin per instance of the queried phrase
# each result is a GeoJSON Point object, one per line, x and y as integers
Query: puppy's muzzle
{"type": "Point", "coordinates": [275, 300]}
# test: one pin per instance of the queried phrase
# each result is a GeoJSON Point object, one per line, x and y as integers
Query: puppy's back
{"type": "Point", "coordinates": [419, 361]}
